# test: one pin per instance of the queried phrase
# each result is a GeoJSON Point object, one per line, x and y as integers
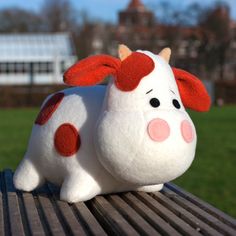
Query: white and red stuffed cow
{"type": "Point", "coordinates": [133, 134]}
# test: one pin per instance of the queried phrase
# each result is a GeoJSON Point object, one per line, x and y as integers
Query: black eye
{"type": "Point", "coordinates": [154, 102]}
{"type": "Point", "coordinates": [176, 104]}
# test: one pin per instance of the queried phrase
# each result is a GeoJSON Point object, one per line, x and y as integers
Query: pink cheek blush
{"type": "Point", "coordinates": [158, 130]}
{"type": "Point", "coordinates": [187, 131]}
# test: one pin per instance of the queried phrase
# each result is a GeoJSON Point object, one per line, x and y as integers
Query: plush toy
{"type": "Point", "coordinates": [133, 134]}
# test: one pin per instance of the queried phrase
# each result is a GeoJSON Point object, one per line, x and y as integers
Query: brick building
{"type": "Point", "coordinates": [138, 28]}
{"type": "Point", "coordinates": [194, 48]}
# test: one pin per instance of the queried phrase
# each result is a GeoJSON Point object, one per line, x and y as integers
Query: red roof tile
{"type": "Point", "coordinates": [136, 4]}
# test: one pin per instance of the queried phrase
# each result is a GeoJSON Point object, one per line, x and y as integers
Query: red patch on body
{"type": "Point", "coordinates": [132, 70]}
{"type": "Point", "coordinates": [49, 108]}
{"type": "Point", "coordinates": [67, 140]}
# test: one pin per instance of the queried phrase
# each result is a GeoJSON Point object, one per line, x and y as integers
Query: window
{"type": "Point", "coordinates": [25, 67]}
{"type": "Point", "coordinates": [3, 67]}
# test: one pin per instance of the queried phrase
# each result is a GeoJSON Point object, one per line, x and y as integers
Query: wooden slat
{"type": "Point", "coordinates": [33, 219]}
{"type": "Point", "coordinates": [201, 214]}
{"type": "Point", "coordinates": [172, 211]}
{"type": "Point", "coordinates": [110, 218]}
{"type": "Point", "coordinates": [155, 220]}
{"type": "Point", "coordinates": [169, 216]}
{"type": "Point", "coordinates": [1, 216]}
{"type": "Point", "coordinates": [203, 205]}
{"type": "Point", "coordinates": [88, 218]}
{"type": "Point", "coordinates": [198, 224]}
{"type": "Point", "coordinates": [87, 223]}
{"type": "Point", "coordinates": [16, 225]}
{"type": "Point", "coordinates": [2, 231]}
{"type": "Point", "coordinates": [132, 216]}
{"type": "Point", "coordinates": [72, 224]}
{"type": "Point", "coordinates": [54, 225]}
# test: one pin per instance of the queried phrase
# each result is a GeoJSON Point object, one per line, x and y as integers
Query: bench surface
{"type": "Point", "coordinates": [172, 211]}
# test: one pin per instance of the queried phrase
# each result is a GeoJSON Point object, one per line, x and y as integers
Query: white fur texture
{"type": "Point", "coordinates": [116, 152]}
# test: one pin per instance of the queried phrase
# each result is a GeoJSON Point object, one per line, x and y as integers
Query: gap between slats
{"type": "Point", "coordinates": [18, 225]}
{"type": "Point", "coordinates": [203, 205]}
{"type": "Point", "coordinates": [200, 213]}
{"type": "Point", "coordinates": [149, 215]}
{"type": "Point", "coordinates": [41, 214]}
{"type": "Point", "coordinates": [24, 217]}
{"type": "Point", "coordinates": [176, 222]}
{"type": "Point", "coordinates": [142, 226]}
{"type": "Point", "coordinates": [188, 217]}
{"type": "Point", "coordinates": [49, 214]}
{"type": "Point", "coordinates": [71, 224]}
{"type": "Point", "coordinates": [35, 224]}
{"type": "Point", "coordinates": [110, 219]}
{"type": "Point", "coordinates": [87, 218]}
{"type": "Point", "coordinates": [6, 219]}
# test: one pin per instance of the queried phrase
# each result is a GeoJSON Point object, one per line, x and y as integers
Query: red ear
{"type": "Point", "coordinates": [91, 70]}
{"type": "Point", "coordinates": [192, 91]}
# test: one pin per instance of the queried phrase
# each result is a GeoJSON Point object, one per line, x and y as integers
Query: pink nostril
{"type": "Point", "coordinates": [158, 130]}
{"type": "Point", "coordinates": [187, 131]}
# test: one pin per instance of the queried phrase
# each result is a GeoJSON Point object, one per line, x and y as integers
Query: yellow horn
{"type": "Point", "coordinates": [165, 54]}
{"type": "Point", "coordinates": [123, 52]}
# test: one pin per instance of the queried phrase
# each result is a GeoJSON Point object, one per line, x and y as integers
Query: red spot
{"type": "Point", "coordinates": [49, 108]}
{"type": "Point", "coordinates": [67, 140]}
{"type": "Point", "coordinates": [132, 70]}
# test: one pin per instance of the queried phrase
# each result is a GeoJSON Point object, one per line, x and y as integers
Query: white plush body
{"type": "Point", "coordinates": [116, 153]}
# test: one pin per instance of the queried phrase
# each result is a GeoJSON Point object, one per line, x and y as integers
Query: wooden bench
{"type": "Point", "coordinates": [169, 212]}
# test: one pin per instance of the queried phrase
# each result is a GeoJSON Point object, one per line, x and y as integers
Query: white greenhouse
{"type": "Point", "coordinates": [35, 58]}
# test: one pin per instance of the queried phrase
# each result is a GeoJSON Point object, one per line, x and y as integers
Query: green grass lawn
{"type": "Point", "coordinates": [15, 128]}
{"type": "Point", "coordinates": [212, 175]}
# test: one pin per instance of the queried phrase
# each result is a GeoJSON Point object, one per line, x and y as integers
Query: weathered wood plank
{"type": "Point", "coordinates": [72, 224]}
{"type": "Point", "coordinates": [110, 218]}
{"type": "Point", "coordinates": [2, 226]}
{"type": "Point", "coordinates": [132, 216]}
{"type": "Point", "coordinates": [88, 218]}
{"type": "Point", "coordinates": [203, 205]}
{"type": "Point", "coordinates": [54, 225]}
{"type": "Point", "coordinates": [33, 219]}
{"type": "Point", "coordinates": [198, 224]}
{"type": "Point", "coordinates": [172, 211]}
{"type": "Point", "coordinates": [167, 215]}
{"type": "Point", "coordinates": [200, 213]}
{"type": "Point", "coordinates": [16, 225]}
{"type": "Point", "coordinates": [1, 216]}
{"type": "Point", "coordinates": [155, 220]}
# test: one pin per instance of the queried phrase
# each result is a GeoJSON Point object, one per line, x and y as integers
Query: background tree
{"type": "Point", "coordinates": [19, 20]}
{"type": "Point", "coordinates": [59, 15]}
{"type": "Point", "coordinates": [214, 26]}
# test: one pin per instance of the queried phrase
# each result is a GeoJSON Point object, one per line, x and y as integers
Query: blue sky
{"type": "Point", "coordinates": [107, 9]}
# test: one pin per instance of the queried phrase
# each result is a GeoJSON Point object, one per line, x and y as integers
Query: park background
{"type": "Point", "coordinates": [202, 37]}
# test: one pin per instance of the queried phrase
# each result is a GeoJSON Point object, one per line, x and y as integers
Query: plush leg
{"type": "Point", "coordinates": [76, 188]}
{"type": "Point", "coordinates": [150, 188]}
{"type": "Point", "coordinates": [27, 177]}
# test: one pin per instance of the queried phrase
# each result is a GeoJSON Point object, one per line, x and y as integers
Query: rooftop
{"type": "Point", "coordinates": [34, 47]}
{"type": "Point", "coordinates": [136, 5]}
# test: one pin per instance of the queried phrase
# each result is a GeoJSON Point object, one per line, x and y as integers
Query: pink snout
{"type": "Point", "coordinates": [187, 131]}
{"type": "Point", "coordinates": [159, 130]}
